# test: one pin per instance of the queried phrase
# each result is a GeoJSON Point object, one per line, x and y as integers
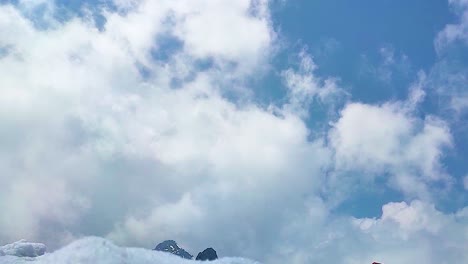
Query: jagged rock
{"type": "Point", "coordinates": [23, 248]}
{"type": "Point", "coordinates": [172, 247]}
{"type": "Point", "coordinates": [207, 254]}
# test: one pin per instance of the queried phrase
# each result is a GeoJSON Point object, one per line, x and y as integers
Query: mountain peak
{"type": "Point", "coordinates": [172, 247]}
{"type": "Point", "coordinates": [207, 254]}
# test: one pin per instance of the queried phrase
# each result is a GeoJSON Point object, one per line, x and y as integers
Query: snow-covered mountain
{"type": "Point", "coordinates": [98, 250]}
{"type": "Point", "coordinates": [171, 246]}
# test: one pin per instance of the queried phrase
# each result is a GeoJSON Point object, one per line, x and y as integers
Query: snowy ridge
{"type": "Point", "coordinates": [23, 248]}
{"type": "Point", "coordinates": [102, 251]}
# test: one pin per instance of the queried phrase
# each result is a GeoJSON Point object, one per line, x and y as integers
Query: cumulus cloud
{"type": "Point", "coordinates": [82, 102]}
{"type": "Point", "coordinates": [388, 138]}
{"type": "Point", "coordinates": [103, 135]}
{"type": "Point", "coordinates": [417, 223]}
{"type": "Point", "coordinates": [95, 129]}
{"type": "Point", "coordinates": [403, 233]}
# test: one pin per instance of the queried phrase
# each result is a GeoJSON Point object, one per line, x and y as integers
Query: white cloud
{"type": "Point", "coordinates": [415, 217]}
{"type": "Point", "coordinates": [166, 220]}
{"type": "Point", "coordinates": [227, 38]}
{"type": "Point", "coordinates": [304, 86]}
{"type": "Point", "coordinates": [457, 31]}
{"type": "Point", "coordinates": [404, 233]}
{"type": "Point", "coordinates": [417, 223]}
{"type": "Point", "coordinates": [87, 137]}
{"type": "Point", "coordinates": [448, 76]}
{"type": "Point", "coordinates": [30, 203]}
{"type": "Point", "coordinates": [92, 146]}
{"type": "Point", "coordinates": [208, 30]}
{"type": "Point", "coordinates": [387, 138]}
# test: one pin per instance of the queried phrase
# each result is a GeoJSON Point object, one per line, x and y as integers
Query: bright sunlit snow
{"type": "Point", "coordinates": [102, 251]}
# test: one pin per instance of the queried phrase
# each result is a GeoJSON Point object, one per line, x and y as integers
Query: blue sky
{"type": "Point", "coordinates": [338, 126]}
{"type": "Point", "coordinates": [351, 41]}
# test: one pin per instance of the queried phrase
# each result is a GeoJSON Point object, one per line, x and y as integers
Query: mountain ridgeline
{"type": "Point", "coordinates": [171, 246]}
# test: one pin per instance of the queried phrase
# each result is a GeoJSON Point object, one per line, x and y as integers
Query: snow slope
{"type": "Point", "coordinates": [23, 248]}
{"type": "Point", "coordinates": [102, 251]}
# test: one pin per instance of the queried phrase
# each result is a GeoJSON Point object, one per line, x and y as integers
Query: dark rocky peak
{"type": "Point", "coordinates": [207, 254]}
{"type": "Point", "coordinates": [172, 247]}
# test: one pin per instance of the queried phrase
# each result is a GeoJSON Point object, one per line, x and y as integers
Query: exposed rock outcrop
{"type": "Point", "coordinates": [172, 247]}
{"type": "Point", "coordinates": [207, 254]}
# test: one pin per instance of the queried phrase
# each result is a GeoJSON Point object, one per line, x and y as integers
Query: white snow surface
{"type": "Point", "coordinates": [102, 251]}
{"type": "Point", "coordinates": [23, 248]}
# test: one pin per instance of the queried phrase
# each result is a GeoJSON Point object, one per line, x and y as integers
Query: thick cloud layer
{"type": "Point", "coordinates": [106, 131]}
